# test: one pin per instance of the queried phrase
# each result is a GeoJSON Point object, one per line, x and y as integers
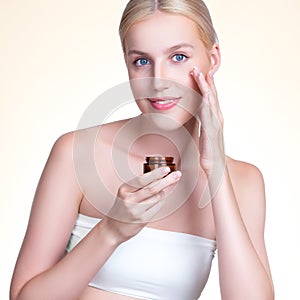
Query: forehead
{"type": "Point", "coordinates": [162, 30]}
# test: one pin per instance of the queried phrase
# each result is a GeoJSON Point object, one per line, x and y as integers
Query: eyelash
{"type": "Point", "coordinates": [137, 61]}
{"type": "Point", "coordinates": [179, 54]}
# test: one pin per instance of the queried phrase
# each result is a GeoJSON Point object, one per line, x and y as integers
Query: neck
{"type": "Point", "coordinates": [154, 140]}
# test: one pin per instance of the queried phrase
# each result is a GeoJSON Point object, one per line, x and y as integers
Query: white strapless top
{"type": "Point", "coordinates": [154, 264]}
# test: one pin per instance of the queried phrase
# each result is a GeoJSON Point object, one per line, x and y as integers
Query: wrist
{"type": "Point", "coordinates": [108, 235]}
{"type": "Point", "coordinates": [216, 178]}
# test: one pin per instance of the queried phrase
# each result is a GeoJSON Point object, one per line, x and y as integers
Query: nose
{"type": "Point", "coordinates": [160, 77]}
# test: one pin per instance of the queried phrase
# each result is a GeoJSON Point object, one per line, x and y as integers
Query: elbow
{"type": "Point", "coordinates": [265, 292]}
{"type": "Point", "coordinates": [260, 296]}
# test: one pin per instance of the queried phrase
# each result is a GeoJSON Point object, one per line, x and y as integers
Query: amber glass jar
{"type": "Point", "coordinates": [154, 162]}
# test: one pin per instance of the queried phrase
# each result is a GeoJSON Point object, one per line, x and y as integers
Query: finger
{"type": "Point", "coordinates": [207, 88]}
{"type": "Point", "coordinates": [157, 187]}
{"type": "Point", "coordinates": [138, 212]}
{"type": "Point", "coordinates": [211, 83]}
{"type": "Point", "coordinates": [151, 212]}
{"type": "Point", "coordinates": [150, 202]}
{"type": "Point", "coordinates": [210, 106]}
{"type": "Point", "coordinates": [145, 179]}
{"type": "Point", "coordinates": [203, 86]}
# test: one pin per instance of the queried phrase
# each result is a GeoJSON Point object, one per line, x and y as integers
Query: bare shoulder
{"type": "Point", "coordinates": [248, 186]}
{"type": "Point", "coordinates": [106, 131]}
{"type": "Point", "coordinates": [247, 180]}
{"type": "Point", "coordinates": [109, 130]}
{"type": "Point", "coordinates": [243, 172]}
{"type": "Point", "coordinates": [65, 144]}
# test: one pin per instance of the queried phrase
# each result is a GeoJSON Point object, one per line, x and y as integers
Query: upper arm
{"type": "Point", "coordinates": [249, 188]}
{"type": "Point", "coordinates": [52, 217]}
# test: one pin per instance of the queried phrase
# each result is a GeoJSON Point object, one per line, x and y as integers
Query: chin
{"type": "Point", "coordinates": [165, 122]}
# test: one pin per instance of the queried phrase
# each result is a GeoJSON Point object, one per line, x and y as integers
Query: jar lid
{"type": "Point", "coordinates": [159, 159]}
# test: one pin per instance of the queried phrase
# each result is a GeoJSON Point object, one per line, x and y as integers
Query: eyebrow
{"type": "Point", "coordinates": [171, 49]}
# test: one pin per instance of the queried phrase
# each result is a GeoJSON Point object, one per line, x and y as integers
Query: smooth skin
{"type": "Point", "coordinates": [235, 217]}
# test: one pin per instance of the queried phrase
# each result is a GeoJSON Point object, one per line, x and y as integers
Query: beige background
{"type": "Point", "coordinates": [56, 57]}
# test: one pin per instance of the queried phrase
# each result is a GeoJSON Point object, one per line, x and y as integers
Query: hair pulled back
{"type": "Point", "coordinates": [196, 10]}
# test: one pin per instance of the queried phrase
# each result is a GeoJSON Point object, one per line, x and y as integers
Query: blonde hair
{"type": "Point", "coordinates": [196, 10]}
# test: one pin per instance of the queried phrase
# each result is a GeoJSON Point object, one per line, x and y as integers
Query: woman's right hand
{"type": "Point", "coordinates": [138, 201]}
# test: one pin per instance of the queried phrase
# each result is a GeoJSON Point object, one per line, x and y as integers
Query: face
{"type": "Point", "coordinates": [161, 52]}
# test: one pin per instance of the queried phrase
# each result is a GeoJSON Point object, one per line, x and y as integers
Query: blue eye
{"type": "Point", "coordinates": [141, 62]}
{"type": "Point", "coordinates": [179, 57]}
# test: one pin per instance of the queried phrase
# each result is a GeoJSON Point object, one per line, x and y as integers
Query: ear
{"type": "Point", "coordinates": [215, 58]}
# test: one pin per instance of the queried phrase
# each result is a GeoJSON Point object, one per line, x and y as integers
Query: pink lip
{"type": "Point", "coordinates": [170, 102]}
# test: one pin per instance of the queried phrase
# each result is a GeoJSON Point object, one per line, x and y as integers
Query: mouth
{"type": "Point", "coordinates": [164, 103]}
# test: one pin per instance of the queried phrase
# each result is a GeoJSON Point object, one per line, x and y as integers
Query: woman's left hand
{"type": "Point", "coordinates": [211, 145]}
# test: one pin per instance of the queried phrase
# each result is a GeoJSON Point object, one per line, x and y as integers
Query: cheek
{"type": "Point", "coordinates": [131, 74]}
{"type": "Point", "coordinates": [142, 105]}
{"type": "Point", "coordinates": [183, 76]}
{"type": "Point", "coordinates": [182, 73]}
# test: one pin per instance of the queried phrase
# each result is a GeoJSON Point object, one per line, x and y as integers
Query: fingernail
{"type": "Point", "coordinates": [176, 175]}
{"type": "Point", "coordinates": [196, 71]}
{"type": "Point", "coordinates": [202, 76]}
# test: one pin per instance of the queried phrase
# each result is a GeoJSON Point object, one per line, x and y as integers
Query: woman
{"type": "Point", "coordinates": [150, 236]}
